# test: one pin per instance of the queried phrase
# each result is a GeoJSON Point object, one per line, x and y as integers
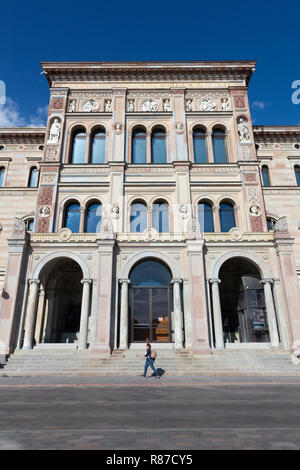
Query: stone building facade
{"type": "Point", "coordinates": [149, 209]}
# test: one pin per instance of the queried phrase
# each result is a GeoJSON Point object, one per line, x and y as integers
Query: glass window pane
{"type": "Point", "coordinates": [72, 219]}
{"type": "Point", "coordinates": [205, 217]}
{"type": "Point", "coordinates": [2, 175]}
{"type": "Point", "coordinates": [158, 144]}
{"type": "Point", "coordinates": [33, 178]}
{"type": "Point", "coordinates": [78, 148]}
{"type": "Point", "coordinates": [150, 273]}
{"type": "Point", "coordinates": [138, 218]}
{"type": "Point", "coordinates": [160, 217]}
{"type": "Point", "coordinates": [98, 148]}
{"type": "Point", "coordinates": [265, 176]}
{"type": "Point", "coordinates": [219, 147]}
{"type": "Point", "coordinates": [139, 147]}
{"type": "Point", "coordinates": [30, 225]}
{"type": "Point", "coordinates": [227, 219]}
{"type": "Point", "coordinates": [93, 218]}
{"type": "Point", "coordinates": [297, 174]}
{"type": "Point", "coordinates": [199, 142]}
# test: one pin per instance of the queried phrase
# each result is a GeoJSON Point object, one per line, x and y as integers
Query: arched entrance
{"type": "Point", "coordinates": [60, 320]}
{"type": "Point", "coordinates": [243, 306]}
{"type": "Point", "coordinates": [150, 302]}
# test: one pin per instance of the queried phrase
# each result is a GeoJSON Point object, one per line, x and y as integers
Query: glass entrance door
{"type": "Point", "coordinates": [151, 314]}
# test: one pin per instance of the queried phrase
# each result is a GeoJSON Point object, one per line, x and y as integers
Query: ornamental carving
{"type": "Point", "coordinates": [46, 195]}
{"type": "Point", "coordinates": [149, 105]}
{"type": "Point", "coordinates": [253, 198]}
{"type": "Point", "coordinates": [64, 234]}
{"type": "Point", "coordinates": [45, 211]}
{"type": "Point", "coordinates": [130, 105]}
{"type": "Point", "coordinates": [250, 177]}
{"type": "Point", "coordinates": [51, 153]}
{"type": "Point", "coordinates": [281, 225]}
{"type": "Point", "coordinates": [255, 210]}
{"type": "Point", "coordinates": [57, 103]}
{"type": "Point", "coordinates": [256, 224]}
{"type": "Point", "coordinates": [179, 127]}
{"type": "Point", "coordinates": [239, 101]}
{"type": "Point", "coordinates": [208, 105]}
{"type": "Point", "coordinates": [19, 225]}
{"type": "Point", "coordinates": [90, 106]}
{"type": "Point", "coordinates": [247, 153]}
{"type": "Point", "coordinates": [43, 225]}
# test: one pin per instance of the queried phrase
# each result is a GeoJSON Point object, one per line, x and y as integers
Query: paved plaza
{"type": "Point", "coordinates": [137, 413]}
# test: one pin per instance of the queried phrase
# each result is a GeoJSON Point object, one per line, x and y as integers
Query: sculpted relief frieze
{"type": "Point", "coordinates": [207, 102]}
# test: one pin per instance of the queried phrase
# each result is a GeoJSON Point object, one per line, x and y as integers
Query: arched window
{"type": "Point", "coordinates": [205, 217]}
{"type": "Point", "coordinates": [160, 216]}
{"type": "Point", "coordinates": [139, 146]}
{"type": "Point", "coordinates": [98, 146]}
{"type": "Point", "coordinates": [227, 218]}
{"type": "Point", "coordinates": [265, 175]}
{"type": "Point", "coordinates": [297, 174]}
{"type": "Point", "coordinates": [33, 177]}
{"type": "Point", "coordinates": [29, 223]}
{"type": "Point", "coordinates": [93, 217]}
{"type": "Point", "coordinates": [78, 147]}
{"type": "Point", "coordinates": [138, 217]}
{"type": "Point", "coordinates": [219, 145]}
{"type": "Point", "coordinates": [199, 144]}
{"type": "Point", "coordinates": [2, 176]}
{"type": "Point", "coordinates": [158, 146]}
{"type": "Point", "coordinates": [271, 223]}
{"type": "Point", "coordinates": [72, 217]}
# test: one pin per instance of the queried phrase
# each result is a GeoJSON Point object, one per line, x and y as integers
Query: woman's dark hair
{"type": "Point", "coordinates": [148, 344]}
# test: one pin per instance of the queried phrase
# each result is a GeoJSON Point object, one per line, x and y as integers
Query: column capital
{"type": "Point", "coordinates": [176, 279]}
{"type": "Point", "coordinates": [267, 280]}
{"type": "Point", "coordinates": [31, 281]}
{"type": "Point", "coordinates": [89, 281]}
{"type": "Point", "coordinates": [215, 280]}
{"type": "Point", "coordinates": [124, 281]}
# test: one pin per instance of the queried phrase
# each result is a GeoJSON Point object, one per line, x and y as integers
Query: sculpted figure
{"type": "Point", "coordinates": [207, 105]}
{"type": "Point", "coordinates": [72, 106]}
{"type": "Point", "coordinates": [243, 130]}
{"type": "Point", "coordinates": [166, 105]}
{"type": "Point", "coordinates": [225, 104]}
{"type": "Point", "coordinates": [189, 105]}
{"type": "Point", "coordinates": [149, 105]}
{"type": "Point", "coordinates": [130, 106]}
{"type": "Point", "coordinates": [54, 131]}
{"type": "Point", "coordinates": [108, 106]}
{"type": "Point", "coordinates": [90, 105]}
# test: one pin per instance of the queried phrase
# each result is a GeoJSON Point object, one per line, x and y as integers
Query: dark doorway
{"type": "Point", "coordinates": [150, 302]}
{"type": "Point", "coordinates": [244, 314]}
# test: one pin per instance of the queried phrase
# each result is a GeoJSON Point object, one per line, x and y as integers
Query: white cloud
{"type": "Point", "coordinates": [10, 115]}
{"type": "Point", "coordinates": [260, 104]}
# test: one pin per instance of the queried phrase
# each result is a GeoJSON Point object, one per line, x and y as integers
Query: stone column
{"type": "Point", "coordinates": [280, 306]}
{"type": "Point", "coordinates": [31, 313]}
{"type": "Point", "coordinates": [188, 321]}
{"type": "Point", "coordinates": [82, 219]}
{"type": "Point", "coordinates": [271, 312]}
{"type": "Point", "coordinates": [217, 314]}
{"type": "Point", "coordinates": [87, 148]}
{"type": "Point", "coordinates": [124, 314]}
{"type": "Point", "coordinates": [178, 327]}
{"type": "Point", "coordinates": [84, 316]}
{"type": "Point", "coordinates": [209, 147]}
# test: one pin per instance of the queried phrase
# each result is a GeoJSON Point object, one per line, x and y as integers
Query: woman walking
{"type": "Point", "coordinates": [150, 361]}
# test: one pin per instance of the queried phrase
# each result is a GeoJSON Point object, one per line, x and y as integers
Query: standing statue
{"type": "Point", "coordinates": [54, 132]}
{"type": "Point", "coordinates": [243, 130]}
{"type": "Point", "coordinates": [225, 104]}
{"type": "Point", "coordinates": [130, 106]}
{"type": "Point", "coordinates": [189, 105]}
{"type": "Point", "coordinates": [166, 105]}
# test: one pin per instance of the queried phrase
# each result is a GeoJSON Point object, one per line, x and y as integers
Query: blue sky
{"type": "Point", "coordinates": [35, 31]}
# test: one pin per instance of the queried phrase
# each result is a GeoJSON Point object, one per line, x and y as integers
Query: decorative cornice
{"type": "Point", "coordinates": [272, 134]}
{"type": "Point", "coordinates": [147, 71]}
{"type": "Point", "coordinates": [24, 135]}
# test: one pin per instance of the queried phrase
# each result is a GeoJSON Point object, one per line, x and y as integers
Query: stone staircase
{"type": "Point", "coordinates": [63, 362]}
